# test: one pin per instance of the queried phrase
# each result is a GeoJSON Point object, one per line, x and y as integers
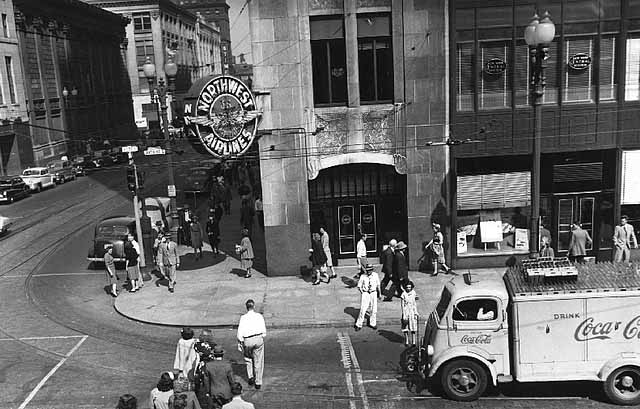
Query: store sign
{"type": "Point", "coordinates": [367, 218]}
{"type": "Point", "coordinates": [495, 66]}
{"type": "Point", "coordinates": [580, 61]}
{"type": "Point", "coordinates": [224, 117]}
{"type": "Point", "coordinates": [346, 219]}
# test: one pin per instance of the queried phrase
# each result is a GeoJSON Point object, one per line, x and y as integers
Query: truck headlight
{"type": "Point", "coordinates": [430, 350]}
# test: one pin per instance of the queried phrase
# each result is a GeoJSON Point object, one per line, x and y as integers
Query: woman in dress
{"type": "Point", "coordinates": [409, 313]}
{"type": "Point", "coordinates": [318, 259]}
{"type": "Point", "coordinates": [437, 249]}
{"type": "Point", "coordinates": [159, 397]}
{"type": "Point", "coordinates": [196, 237]}
{"type": "Point", "coordinates": [185, 352]}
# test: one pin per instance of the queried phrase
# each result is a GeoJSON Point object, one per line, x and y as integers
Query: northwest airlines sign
{"type": "Point", "coordinates": [224, 116]}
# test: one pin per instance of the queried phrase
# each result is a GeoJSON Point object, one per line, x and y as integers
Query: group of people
{"type": "Point", "coordinates": [201, 377]}
{"type": "Point", "coordinates": [132, 267]}
{"type": "Point", "coordinates": [320, 257]}
{"type": "Point", "coordinates": [624, 239]}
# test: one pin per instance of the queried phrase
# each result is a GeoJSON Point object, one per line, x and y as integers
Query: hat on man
{"type": "Point", "coordinates": [401, 245]}
{"type": "Point", "coordinates": [393, 243]}
{"type": "Point", "coordinates": [368, 267]}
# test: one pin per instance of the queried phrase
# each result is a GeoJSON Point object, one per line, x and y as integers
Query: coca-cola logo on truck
{"type": "Point", "coordinates": [590, 329]}
{"type": "Point", "coordinates": [478, 339]}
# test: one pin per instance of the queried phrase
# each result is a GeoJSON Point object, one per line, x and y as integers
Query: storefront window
{"type": "Point", "coordinates": [493, 231]}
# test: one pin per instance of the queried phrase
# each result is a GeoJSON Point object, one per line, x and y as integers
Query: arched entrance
{"type": "Point", "coordinates": [359, 198]}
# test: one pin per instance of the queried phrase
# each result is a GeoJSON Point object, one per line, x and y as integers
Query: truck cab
{"type": "Point", "coordinates": [467, 334]}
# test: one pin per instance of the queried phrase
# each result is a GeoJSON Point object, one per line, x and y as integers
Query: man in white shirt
{"type": "Point", "coordinates": [369, 286]}
{"type": "Point", "coordinates": [251, 333]}
{"type": "Point", "coordinates": [361, 254]}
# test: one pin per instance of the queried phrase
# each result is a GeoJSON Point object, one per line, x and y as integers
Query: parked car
{"type": "Point", "coordinates": [12, 188]}
{"type": "Point", "coordinates": [198, 181]}
{"type": "Point", "coordinates": [62, 171]}
{"type": "Point", "coordinates": [38, 178]}
{"type": "Point", "coordinates": [111, 231]}
{"type": "Point", "coordinates": [159, 209]}
{"type": "Point", "coordinates": [79, 170]}
{"type": "Point", "coordinates": [90, 165]}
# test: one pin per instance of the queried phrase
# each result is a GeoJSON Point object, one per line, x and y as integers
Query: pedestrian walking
{"type": "Point", "coordinates": [237, 402]}
{"type": "Point", "coordinates": [324, 238]}
{"type": "Point", "coordinates": [318, 259]}
{"type": "Point", "coordinates": [112, 274]}
{"type": "Point", "coordinates": [388, 254]}
{"type": "Point", "coordinates": [369, 286]}
{"type": "Point", "coordinates": [196, 237]}
{"type": "Point", "coordinates": [259, 212]}
{"type": "Point", "coordinates": [246, 216]}
{"type": "Point", "coordinates": [221, 378]}
{"type": "Point", "coordinates": [156, 245]}
{"type": "Point", "coordinates": [201, 376]}
{"type": "Point", "coordinates": [624, 238]}
{"type": "Point", "coordinates": [400, 266]}
{"type": "Point", "coordinates": [245, 249]}
{"type": "Point", "coordinates": [251, 333]}
{"type": "Point", "coordinates": [136, 246]}
{"type": "Point", "coordinates": [580, 239]}
{"type": "Point", "coordinates": [185, 352]}
{"type": "Point", "coordinates": [168, 251]}
{"type": "Point", "coordinates": [361, 255]}
{"type": "Point", "coordinates": [410, 316]}
{"type": "Point", "coordinates": [159, 396]}
{"type": "Point", "coordinates": [213, 233]}
{"type": "Point", "coordinates": [131, 265]}
{"type": "Point", "coordinates": [437, 251]}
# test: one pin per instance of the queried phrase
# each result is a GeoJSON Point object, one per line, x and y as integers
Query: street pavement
{"type": "Point", "coordinates": [64, 345]}
{"type": "Point", "coordinates": [211, 292]}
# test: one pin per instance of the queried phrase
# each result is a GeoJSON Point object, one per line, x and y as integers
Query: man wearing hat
{"type": "Point", "coordinates": [369, 286]}
{"type": "Point", "coordinates": [168, 259]}
{"type": "Point", "coordinates": [221, 377]}
{"type": "Point", "coordinates": [400, 266]}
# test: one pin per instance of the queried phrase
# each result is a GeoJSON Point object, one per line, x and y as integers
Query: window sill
{"type": "Point", "coordinates": [493, 253]}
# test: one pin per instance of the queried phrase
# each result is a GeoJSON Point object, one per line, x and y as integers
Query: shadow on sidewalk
{"type": "Point", "coordinates": [238, 271]}
{"type": "Point", "coordinates": [391, 336]}
{"type": "Point", "coordinates": [188, 261]}
{"type": "Point", "coordinates": [354, 312]}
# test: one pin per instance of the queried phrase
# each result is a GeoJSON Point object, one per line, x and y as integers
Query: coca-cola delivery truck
{"type": "Point", "coordinates": [501, 329]}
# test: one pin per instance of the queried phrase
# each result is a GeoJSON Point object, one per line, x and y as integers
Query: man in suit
{"type": "Point", "coordinates": [237, 402]}
{"type": "Point", "coordinates": [624, 237]}
{"type": "Point", "coordinates": [387, 267]}
{"type": "Point", "coordinates": [578, 243]}
{"type": "Point", "coordinates": [221, 377]}
{"type": "Point", "coordinates": [169, 258]}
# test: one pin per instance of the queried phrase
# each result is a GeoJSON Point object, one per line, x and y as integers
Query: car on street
{"type": "Point", "coordinates": [198, 180]}
{"type": "Point", "coordinates": [111, 231]}
{"type": "Point", "coordinates": [38, 178]}
{"type": "Point", "coordinates": [12, 188]}
{"type": "Point", "coordinates": [62, 171]}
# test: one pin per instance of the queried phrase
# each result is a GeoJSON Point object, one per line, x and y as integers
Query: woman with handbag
{"type": "Point", "coordinates": [437, 251]}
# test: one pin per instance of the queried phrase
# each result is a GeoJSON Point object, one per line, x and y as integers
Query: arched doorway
{"type": "Point", "coordinates": [359, 198]}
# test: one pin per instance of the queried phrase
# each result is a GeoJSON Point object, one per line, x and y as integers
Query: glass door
{"type": "Point", "coordinates": [565, 218]}
{"type": "Point", "coordinates": [570, 209]}
{"type": "Point", "coordinates": [367, 226]}
{"type": "Point", "coordinates": [587, 205]}
{"type": "Point", "coordinates": [346, 230]}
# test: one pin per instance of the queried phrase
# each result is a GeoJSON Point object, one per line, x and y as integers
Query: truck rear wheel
{"type": "Point", "coordinates": [463, 380]}
{"type": "Point", "coordinates": [623, 386]}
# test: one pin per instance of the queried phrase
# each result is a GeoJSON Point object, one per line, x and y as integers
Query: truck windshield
{"type": "Point", "coordinates": [441, 308]}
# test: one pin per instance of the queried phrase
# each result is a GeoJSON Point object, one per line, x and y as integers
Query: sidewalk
{"type": "Point", "coordinates": [212, 291]}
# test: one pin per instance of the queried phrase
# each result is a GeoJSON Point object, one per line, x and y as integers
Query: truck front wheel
{"type": "Point", "coordinates": [463, 380]}
{"type": "Point", "coordinates": [623, 386]}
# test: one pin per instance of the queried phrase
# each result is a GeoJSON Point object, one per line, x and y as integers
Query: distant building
{"type": "Point", "coordinates": [242, 70]}
{"type": "Point", "coordinates": [218, 12]}
{"type": "Point", "coordinates": [159, 28]}
{"type": "Point", "coordinates": [76, 89]}
{"type": "Point", "coordinates": [15, 144]}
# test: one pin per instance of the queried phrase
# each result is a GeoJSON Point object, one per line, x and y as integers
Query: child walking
{"type": "Point", "coordinates": [409, 313]}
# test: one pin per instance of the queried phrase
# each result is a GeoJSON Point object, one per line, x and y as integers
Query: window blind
{"type": "Point", "coordinates": [464, 86]}
{"type": "Point", "coordinates": [495, 90]}
{"type": "Point", "coordinates": [494, 191]}
{"type": "Point", "coordinates": [632, 82]}
{"type": "Point", "coordinates": [607, 68]}
{"type": "Point", "coordinates": [578, 83]}
{"type": "Point", "coordinates": [630, 179]}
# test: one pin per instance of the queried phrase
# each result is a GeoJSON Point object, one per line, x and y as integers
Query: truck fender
{"type": "Point", "coordinates": [476, 354]}
{"type": "Point", "coordinates": [622, 359]}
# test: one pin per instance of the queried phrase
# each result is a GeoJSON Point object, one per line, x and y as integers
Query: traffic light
{"type": "Point", "coordinates": [131, 179]}
{"type": "Point", "coordinates": [140, 179]}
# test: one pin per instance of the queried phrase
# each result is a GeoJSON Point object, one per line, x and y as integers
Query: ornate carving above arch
{"type": "Point", "coordinates": [315, 165]}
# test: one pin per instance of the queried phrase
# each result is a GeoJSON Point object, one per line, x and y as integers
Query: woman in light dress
{"type": "Point", "coordinates": [409, 314]}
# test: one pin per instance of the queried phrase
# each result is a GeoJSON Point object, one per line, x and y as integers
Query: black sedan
{"type": "Point", "coordinates": [12, 188]}
{"type": "Point", "coordinates": [111, 231]}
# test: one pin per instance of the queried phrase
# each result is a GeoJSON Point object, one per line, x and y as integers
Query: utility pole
{"type": "Point", "coordinates": [136, 208]}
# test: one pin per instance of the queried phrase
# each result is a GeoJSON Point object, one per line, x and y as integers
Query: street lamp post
{"type": "Point", "coordinates": [162, 90]}
{"type": "Point", "coordinates": [538, 35]}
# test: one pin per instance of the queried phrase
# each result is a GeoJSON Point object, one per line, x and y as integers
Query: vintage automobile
{"type": "Point", "coordinates": [198, 181]}
{"type": "Point", "coordinates": [12, 188]}
{"type": "Point", "coordinates": [38, 178]}
{"type": "Point", "coordinates": [159, 209]}
{"type": "Point", "coordinates": [62, 171]}
{"type": "Point", "coordinates": [111, 231]}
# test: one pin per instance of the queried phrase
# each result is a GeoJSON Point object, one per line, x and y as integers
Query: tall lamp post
{"type": "Point", "coordinates": [538, 35]}
{"type": "Point", "coordinates": [162, 90]}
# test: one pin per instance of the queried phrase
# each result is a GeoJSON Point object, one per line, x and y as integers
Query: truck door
{"type": "Point", "coordinates": [479, 324]}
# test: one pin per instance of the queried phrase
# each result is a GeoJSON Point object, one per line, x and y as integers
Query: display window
{"type": "Point", "coordinates": [493, 231]}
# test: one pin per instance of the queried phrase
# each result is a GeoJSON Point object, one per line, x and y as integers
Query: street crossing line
{"type": "Point", "coordinates": [51, 372]}
{"type": "Point", "coordinates": [54, 275]}
{"type": "Point", "coordinates": [42, 338]}
{"type": "Point", "coordinates": [350, 363]}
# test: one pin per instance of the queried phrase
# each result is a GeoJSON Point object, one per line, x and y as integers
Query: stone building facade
{"type": "Point", "coordinates": [353, 134]}
{"type": "Point", "coordinates": [69, 45]}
